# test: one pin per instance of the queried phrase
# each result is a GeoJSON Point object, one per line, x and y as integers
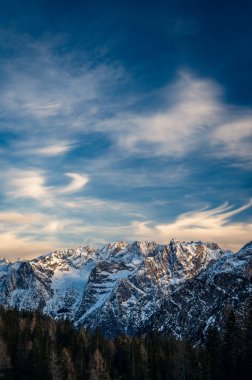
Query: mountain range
{"type": "Point", "coordinates": [181, 288]}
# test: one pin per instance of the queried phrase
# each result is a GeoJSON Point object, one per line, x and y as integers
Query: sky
{"type": "Point", "coordinates": [124, 120]}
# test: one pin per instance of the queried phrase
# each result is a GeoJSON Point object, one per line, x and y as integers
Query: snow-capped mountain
{"type": "Point", "coordinates": [204, 300]}
{"type": "Point", "coordinates": [130, 287]}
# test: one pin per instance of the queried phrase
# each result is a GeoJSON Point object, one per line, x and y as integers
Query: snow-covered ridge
{"type": "Point", "coordinates": [123, 286]}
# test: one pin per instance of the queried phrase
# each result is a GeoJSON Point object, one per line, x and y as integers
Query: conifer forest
{"type": "Point", "coordinates": [34, 346]}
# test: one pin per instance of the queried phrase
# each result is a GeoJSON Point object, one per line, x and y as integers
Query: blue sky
{"type": "Point", "coordinates": [124, 121]}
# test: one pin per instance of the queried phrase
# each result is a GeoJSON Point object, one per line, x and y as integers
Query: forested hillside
{"type": "Point", "coordinates": [34, 346]}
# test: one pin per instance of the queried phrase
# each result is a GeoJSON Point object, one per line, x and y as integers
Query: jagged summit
{"type": "Point", "coordinates": [246, 247]}
{"type": "Point", "coordinates": [114, 249]}
{"type": "Point", "coordinates": [80, 251]}
{"type": "Point", "coordinates": [126, 287]}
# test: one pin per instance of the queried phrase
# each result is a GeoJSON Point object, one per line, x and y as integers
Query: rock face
{"type": "Point", "coordinates": [204, 300]}
{"type": "Point", "coordinates": [180, 288]}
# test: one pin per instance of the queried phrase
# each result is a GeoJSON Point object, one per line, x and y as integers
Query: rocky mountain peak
{"type": "Point", "coordinates": [126, 287]}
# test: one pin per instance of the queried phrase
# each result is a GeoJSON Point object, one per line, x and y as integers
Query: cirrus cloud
{"type": "Point", "coordinates": [32, 184]}
{"type": "Point", "coordinates": [214, 225]}
{"type": "Point", "coordinates": [78, 182]}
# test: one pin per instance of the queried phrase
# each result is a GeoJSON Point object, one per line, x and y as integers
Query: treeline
{"type": "Point", "coordinates": [33, 346]}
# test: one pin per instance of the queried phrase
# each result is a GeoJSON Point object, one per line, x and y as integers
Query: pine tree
{"type": "Point", "coordinates": [97, 367]}
{"type": "Point", "coordinates": [247, 358]}
{"type": "Point", "coordinates": [213, 348]}
{"type": "Point", "coordinates": [232, 349]}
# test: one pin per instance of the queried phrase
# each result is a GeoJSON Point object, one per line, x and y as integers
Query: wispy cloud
{"type": "Point", "coordinates": [13, 217]}
{"type": "Point", "coordinates": [32, 184]}
{"type": "Point", "coordinates": [63, 95]}
{"type": "Point", "coordinates": [54, 102]}
{"type": "Point", "coordinates": [34, 234]}
{"type": "Point", "coordinates": [207, 225]}
{"type": "Point", "coordinates": [28, 184]}
{"type": "Point", "coordinates": [235, 138]}
{"type": "Point", "coordinates": [48, 150]}
{"type": "Point", "coordinates": [14, 246]}
{"type": "Point", "coordinates": [78, 182]}
{"type": "Point", "coordinates": [193, 118]}
{"type": "Point", "coordinates": [193, 108]}
{"type": "Point", "coordinates": [27, 234]}
{"type": "Point", "coordinates": [21, 234]}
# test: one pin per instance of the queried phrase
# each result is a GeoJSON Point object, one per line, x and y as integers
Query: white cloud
{"type": "Point", "coordinates": [207, 225]}
{"type": "Point", "coordinates": [51, 149]}
{"type": "Point", "coordinates": [235, 138]}
{"type": "Point", "coordinates": [38, 150]}
{"type": "Point", "coordinates": [53, 96]}
{"type": "Point", "coordinates": [25, 235]}
{"type": "Point", "coordinates": [193, 108]}
{"type": "Point", "coordinates": [56, 91]}
{"type": "Point", "coordinates": [42, 109]}
{"type": "Point", "coordinates": [28, 184]}
{"type": "Point", "coordinates": [50, 92]}
{"type": "Point", "coordinates": [56, 99]}
{"type": "Point", "coordinates": [78, 182]}
{"type": "Point", "coordinates": [22, 235]}
{"type": "Point", "coordinates": [14, 217]}
{"type": "Point", "coordinates": [32, 184]}
{"type": "Point", "coordinates": [195, 119]}
{"type": "Point", "coordinates": [30, 234]}
{"type": "Point", "coordinates": [13, 246]}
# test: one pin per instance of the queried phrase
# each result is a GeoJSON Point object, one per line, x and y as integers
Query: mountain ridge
{"type": "Point", "coordinates": [128, 287]}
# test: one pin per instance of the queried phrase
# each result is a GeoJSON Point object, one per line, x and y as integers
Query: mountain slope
{"type": "Point", "coordinates": [130, 287]}
{"type": "Point", "coordinates": [204, 300]}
